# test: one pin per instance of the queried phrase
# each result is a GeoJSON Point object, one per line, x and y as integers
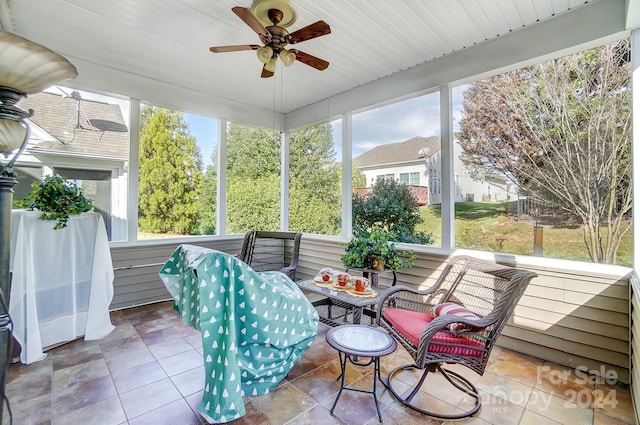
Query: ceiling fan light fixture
{"type": "Point", "coordinates": [261, 8]}
{"type": "Point", "coordinates": [264, 54]}
{"type": "Point", "coordinates": [270, 65]}
{"type": "Point", "coordinates": [287, 57]}
{"type": "Point", "coordinates": [274, 37]}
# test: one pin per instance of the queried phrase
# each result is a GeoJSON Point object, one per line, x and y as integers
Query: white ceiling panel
{"type": "Point", "coordinates": [168, 41]}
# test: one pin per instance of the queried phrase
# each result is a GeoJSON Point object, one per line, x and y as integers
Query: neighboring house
{"type": "Point", "coordinates": [417, 162]}
{"type": "Point", "coordinates": [82, 140]}
{"type": "Point", "coordinates": [492, 188]}
{"type": "Point", "coordinates": [404, 162]}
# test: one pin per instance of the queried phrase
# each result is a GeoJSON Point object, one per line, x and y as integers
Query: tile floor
{"type": "Point", "coordinates": [149, 371]}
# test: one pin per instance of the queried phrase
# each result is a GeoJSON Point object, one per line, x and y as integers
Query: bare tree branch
{"type": "Point", "coordinates": [561, 132]}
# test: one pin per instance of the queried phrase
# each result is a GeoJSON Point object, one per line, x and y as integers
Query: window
{"type": "Point", "coordinates": [171, 176]}
{"type": "Point", "coordinates": [386, 177]}
{"type": "Point", "coordinates": [253, 179]}
{"type": "Point", "coordinates": [83, 137]}
{"type": "Point", "coordinates": [523, 162]}
{"type": "Point", "coordinates": [435, 182]}
{"type": "Point", "coordinates": [390, 145]}
{"type": "Point", "coordinates": [412, 178]}
{"type": "Point", "coordinates": [314, 181]}
{"type": "Point", "coordinates": [205, 130]}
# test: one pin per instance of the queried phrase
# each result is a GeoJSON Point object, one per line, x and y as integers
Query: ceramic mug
{"type": "Point", "coordinates": [361, 284]}
{"type": "Point", "coordinates": [343, 278]}
{"type": "Point", "coordinates": [326, 275]}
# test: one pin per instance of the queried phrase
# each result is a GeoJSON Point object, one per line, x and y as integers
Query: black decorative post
{"type": "Point", "coordinates": [15, 133]}
{"type": "Point", "coordinates": [25, 67]}
{"type": "Point", "coordinates": [7, 181]}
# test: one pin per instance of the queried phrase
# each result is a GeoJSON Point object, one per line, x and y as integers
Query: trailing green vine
{"type": "Point", "coordinates": [57, 199]}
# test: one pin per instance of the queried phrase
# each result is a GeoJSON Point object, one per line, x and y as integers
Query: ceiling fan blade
{"type": "Point", "coordinates": [249, 19]}
{"type": "Point", "coordinates": [265, 73]}
{"type": "Point", "coordinates": [310, 31]}
{"type": "Point", "coordinates": [223, 49]}
{"type": "Point", "coordinates": [312, 61]}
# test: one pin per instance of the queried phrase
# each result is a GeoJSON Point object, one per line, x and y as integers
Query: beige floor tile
{"type": "Point", "coordinates": [149, 371]}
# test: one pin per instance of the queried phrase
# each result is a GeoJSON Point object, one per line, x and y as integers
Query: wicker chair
{"type": "Point", "coordinates": [456, 321]}
{"type": "Point", "coordinates": [271, 251]}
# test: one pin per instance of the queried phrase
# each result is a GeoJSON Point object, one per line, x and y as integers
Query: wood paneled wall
{"type": "Point", "coordinates": [136, 268]}
{"type": "Point", "coordinates": [634, 295]}
{"type": "Point", "coordinates": [569, 317]}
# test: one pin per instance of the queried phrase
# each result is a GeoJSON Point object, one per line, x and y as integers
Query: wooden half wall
{"type": "Point", "coordinates": [572, 318]}
{"type": "Point", "coordinates": [136, 268]}
{"type": "Point", "coordinates": [634, 295]}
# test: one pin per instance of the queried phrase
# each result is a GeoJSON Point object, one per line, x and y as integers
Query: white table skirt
{"type": "Point", "coordinates": [62, 281]}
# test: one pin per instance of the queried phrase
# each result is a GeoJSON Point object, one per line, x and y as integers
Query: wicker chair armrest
{"type": "Point", "coordinates": [289, 271]}
{"type": "Point", "coordinates": [401, 288]}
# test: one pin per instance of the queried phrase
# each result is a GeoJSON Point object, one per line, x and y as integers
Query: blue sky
{"type": "Point", "coordinates": [205, 130]}
{"type": "Point", "coordinates": [397, 122]}
{"type": "Point", "coordinates": [419, 116]}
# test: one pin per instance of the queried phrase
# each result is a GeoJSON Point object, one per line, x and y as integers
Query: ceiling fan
{"type": "Point", "coordinates": [277, 15]}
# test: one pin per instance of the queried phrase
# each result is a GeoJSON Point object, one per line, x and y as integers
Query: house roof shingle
{"type": "Point", "coordinates": [100, 130]}
{"type": "Point", "coordinates": [393, 153]}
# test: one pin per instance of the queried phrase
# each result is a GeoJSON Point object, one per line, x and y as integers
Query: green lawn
{"type": "Point", "coordinates": [486, 226]}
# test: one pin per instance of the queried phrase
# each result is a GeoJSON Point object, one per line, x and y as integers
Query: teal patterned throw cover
{"type": "Point", "coordinates": [255, 325]}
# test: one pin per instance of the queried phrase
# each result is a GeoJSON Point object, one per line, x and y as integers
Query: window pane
{"type": "Point", "coordinates": [253, 179]}
{"type": "Point", "coordinates": [314, 182]}
{"type": "Point", "coordinates": [545, 161]}
{"type": "Point", "coordinates": [206, 132]}
{"type": "Point", "coordinates": [395, 146]}
{"type": "Point", "coordinates": [414, 178]}
{"type": "Point", "coordinates": [170, 175]}
{"type": "Point", "coordinates": [83, 137]}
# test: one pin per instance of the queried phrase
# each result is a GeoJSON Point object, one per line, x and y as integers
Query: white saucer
{"type": "Point", "coordinates": [366, 290]}
{"type": "Point", "coordinates": [324, 282]}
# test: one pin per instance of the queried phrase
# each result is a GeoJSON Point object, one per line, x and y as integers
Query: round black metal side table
{"type": "Point", "coordinates": [355, 341]}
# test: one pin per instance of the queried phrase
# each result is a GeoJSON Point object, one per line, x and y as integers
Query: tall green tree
{"type": "Point", "coordinates": [358, 179]}
{"type": "Point", "coordinates": [253, 179]}
{"type": "Point", "coordinates": [314, 182]}
{"type": "Point", "coordinates": [170, 173]}
{"type": "Point", "coordinates": [207, 200]}
{"type": "Point", "coordinates": [561, 131]}
{"type": "Point", "coordinates": [252, 152]}
{"type": "Point", "coordinates": [389, 207]}
{"type": "Point", "coordinates": [255, 204]}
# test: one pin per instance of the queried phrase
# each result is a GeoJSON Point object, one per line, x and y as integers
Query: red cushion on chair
{"type": "Point", "coordinates": [408, 323]}
{"type": "Point", "coordinates": [411, 324]}
{"type": "Point", "coordinates": [471, 347]}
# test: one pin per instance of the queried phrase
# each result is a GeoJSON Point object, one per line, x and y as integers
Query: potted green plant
{"type": "Point", "coordinates": [57, 199]}
{"type": "Point", "coordinates": [376, 250]}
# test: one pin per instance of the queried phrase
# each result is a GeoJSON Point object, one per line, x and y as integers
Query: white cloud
{"type": "Point", "coordinates": [400, 121]}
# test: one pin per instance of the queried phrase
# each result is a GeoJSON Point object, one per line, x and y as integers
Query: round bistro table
{"type": "Point", "coordinates": [355, 341]}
